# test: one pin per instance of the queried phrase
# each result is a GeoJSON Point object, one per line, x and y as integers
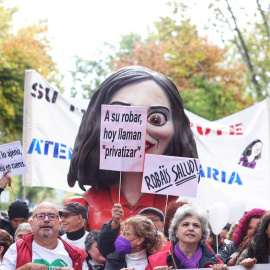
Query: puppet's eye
{"type": "Point", "coordinates": [157, 119]}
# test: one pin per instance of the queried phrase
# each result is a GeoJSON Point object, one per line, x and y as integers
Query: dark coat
{"type": "Point", "coordinates": [226, 253]}
{"type": "Point", "coordinates": [106, 239]}
{"type": "Point", "coordinates": [163, 258]}
{"type": "Point", "coordinates": [115, 261]}
{"type": "Point", "coordinates": [5, 225]}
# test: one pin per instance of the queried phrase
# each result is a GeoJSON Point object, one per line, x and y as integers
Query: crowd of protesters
{"type": "Point", "coordinates": [133, 236]}
{"type": "Point", "coordinates": [52, 239]}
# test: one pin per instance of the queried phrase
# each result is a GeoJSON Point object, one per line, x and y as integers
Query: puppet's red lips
{"type": "Point", "coordinates": [148, 145]}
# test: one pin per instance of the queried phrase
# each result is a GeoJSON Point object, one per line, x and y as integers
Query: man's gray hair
{"type": "Point", "coordinates": [186, 211]}
{"type": "Point", "coordinates": [23, 227]}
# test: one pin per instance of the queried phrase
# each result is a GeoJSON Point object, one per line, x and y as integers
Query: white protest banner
{"type": "Point", "coordinates": [51, 123]}
{"type": "Point", "coordinates": [12, 158]}
{"type": "Point", "coordinates": [235, 156]}
{"type": "Point", "coordinates": [170, 175]}
{"type": "Point", "coordinates": [122, 138]}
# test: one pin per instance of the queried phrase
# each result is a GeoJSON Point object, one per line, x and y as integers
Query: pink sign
{"type": "Point", "coordinates": [122, 138]}
{"type": "Point", "coordinates": [170, 175]}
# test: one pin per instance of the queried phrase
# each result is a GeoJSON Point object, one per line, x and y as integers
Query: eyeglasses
{"type": "Point", "coordinates": [67, 215]}
{"type": "Point", "coordinates": [125, 233]}
{"type": "Point", "coordinates": [155, 219]}
{"type": "Point", "coordinates": [42, 216]}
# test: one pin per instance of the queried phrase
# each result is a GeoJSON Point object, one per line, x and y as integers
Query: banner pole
{"type": "Point", "coordinates": [165, 211]}
{"type": "Point", "coordinates": [24, 193]}
{"type": "Point", "coordinates": [12, 192]}
{"type": "Point", "coordinates": [119, 188]}
{"type": "Point", "coordinates": [217, 242]}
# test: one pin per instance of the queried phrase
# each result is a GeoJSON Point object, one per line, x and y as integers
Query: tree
{"type": "Point", "coordinates": [89, 74]}
{"type": "Point", "coordinates": [197, 67]}
{"type": "Point", "coordinates": [27, 49]}
{"type": "Point", "coordinates": [246, 32]}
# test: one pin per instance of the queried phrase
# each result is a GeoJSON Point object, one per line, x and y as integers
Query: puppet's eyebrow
{"type": "Point", "coordinates": [120, 103]}
{"type": "Point", "coordinates": [159, 107]}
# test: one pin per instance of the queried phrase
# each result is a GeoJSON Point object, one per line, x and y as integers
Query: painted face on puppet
{"type": "Point", "coordinates": [160, 127]}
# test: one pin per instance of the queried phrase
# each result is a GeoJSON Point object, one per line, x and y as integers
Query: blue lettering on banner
{"type": "Point", "coordinates": [216, 175]}
{"type": "Point", "coordinates": [49, 148]}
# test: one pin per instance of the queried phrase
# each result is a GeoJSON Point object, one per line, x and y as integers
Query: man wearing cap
{"type": "Point", "coordinates": [73, 217]}
{"type": "Point", "coordinates": [156, 215]}
{"type": "Point", "coordinates": [18, 212]}
{"type": "Point", "coordinates": [44, 249]}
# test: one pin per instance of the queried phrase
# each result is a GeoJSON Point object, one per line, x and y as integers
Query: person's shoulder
{"type": "Point", "coordinates": [68, 246]}
{"type": "Point", "coordinates": [64, 236]}
{"type": "Point", "coordinates": [159, 255]}
{"type": "Point", "coordinates": [5, 225]}
{"type": "Point", "coordinates": [158, 259]}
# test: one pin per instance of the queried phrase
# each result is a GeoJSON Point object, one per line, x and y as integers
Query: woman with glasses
{"type": "Point", "coordinates": [137, 240]}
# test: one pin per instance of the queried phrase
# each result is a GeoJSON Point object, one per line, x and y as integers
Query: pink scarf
{"type": "Point", "coordinates": [193, 262]}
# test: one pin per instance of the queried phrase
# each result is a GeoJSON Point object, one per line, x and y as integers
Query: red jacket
{"type": "Point", "coordinates": [101, 203]}
{"type": "Point", "coordinates": [24, 252]}
{"type": "Point", "coordinates": [161, 259]}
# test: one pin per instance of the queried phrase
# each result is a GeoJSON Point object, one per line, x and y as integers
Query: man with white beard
{"type": "Point", "coordinates": [43, 249]}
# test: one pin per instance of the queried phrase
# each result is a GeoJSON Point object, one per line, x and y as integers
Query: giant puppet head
{"type": "Point", "coordinates": [84, 166]}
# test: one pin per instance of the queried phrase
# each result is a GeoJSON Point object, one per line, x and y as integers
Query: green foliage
{"type": "Point", "coordinates": [247, 33]}
{"type": "Point", "coordinates": [211, 79]}
{"type": "Point", "coordinates": [27, 49]}
{"type": "Point", "coordinates": [209, 100]}
{"type": "Point", "coordinates": [89, 74]}
{"type": "Point", "coordinates": [34, 194]}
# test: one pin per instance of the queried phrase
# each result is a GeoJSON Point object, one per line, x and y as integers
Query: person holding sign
{"type": "Point", "coordinates": [188, 235]}
{"type": "Point", "coordinates": [5, 181]}
{"type": "Point", "coordinates": [138, 239]}
{"type": "Point", "coordinates": [167, 133]}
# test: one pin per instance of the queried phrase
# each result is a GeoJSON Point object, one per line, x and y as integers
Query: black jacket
{"type": "Point", "coordinates": [226, 253]}
{"type": "Point", "coordinates": [107, 238]}
{"type": "Point", "coordinates": [115, 261]}
{"type": "Point", "coordinates": [5, 225]}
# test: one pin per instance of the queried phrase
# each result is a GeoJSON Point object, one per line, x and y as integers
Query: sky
{"type": "Point", "coordinates": [81, 27]}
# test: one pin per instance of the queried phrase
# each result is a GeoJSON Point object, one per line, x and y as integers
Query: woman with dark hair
{"type": "Point", "coordinates": [188, 236]}
{"type": "Point", "coordinates": [168, 133]}
{"type": "Point", "coordinates": [251, 153]}
{"type": "Point", "coordinates": [5, 242]}
{"type": "Point", "coordinates": [258, 250]}
{"type": "Point", "coordinates": [171, 209]}
{"type": "Point", "coordinates": [246, 227]}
